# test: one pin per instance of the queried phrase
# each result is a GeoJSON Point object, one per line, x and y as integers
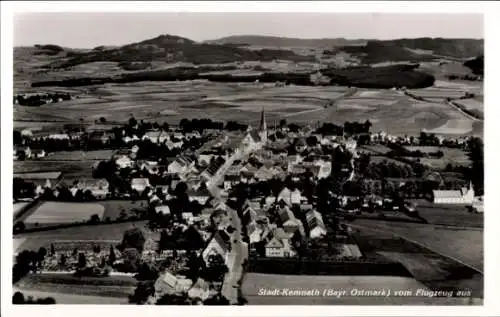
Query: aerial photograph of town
{"type": "Point", "coordinates": [247, 159]}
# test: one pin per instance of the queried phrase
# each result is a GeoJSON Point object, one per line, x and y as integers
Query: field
{"type": "Point", "coordinates": [171, 101]}
{"type": "Point", "coordinates": [474, 105]}
{"type": "Point", "coordinates": [451, 156]}
{"type": "Point", "coordinates": [18, 206]}
{"type": "Point", "coordinates": [112, 286]}
{"type": "Point", "coordinates": [59, 212]}
{"type": "Point", "coordinates": [253, 282]}
{"type": "Point", "coordinates": [102, 232]}
{"type": "Point", "coordinates": [79, 155]}
{"type": "Point", "coordinates": [451, 230]}
{"type": "Point", "coordinates": [55, 213]}
{"type": "Point", "coordinates": [72, 299]}
{"type": "Point", "coordinates": [70, 169]}
{"type": "Point", "coordinates": [374, 149]}
{"type": "Point", "coordinates": [436, 266]}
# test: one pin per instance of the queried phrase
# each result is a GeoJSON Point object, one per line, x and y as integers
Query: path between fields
{"type": "Point", "coordinates": [346, 94]}
{"type": "Point", "coordinates": [465, 260]}
{"type": "Point", "coordinates": [448, 103]}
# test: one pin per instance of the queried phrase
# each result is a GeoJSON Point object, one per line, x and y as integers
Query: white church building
{"type": "Point", "coordinates": [464, 196]}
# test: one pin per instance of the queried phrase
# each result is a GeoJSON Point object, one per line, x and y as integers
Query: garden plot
{"type": "Point", "coordinates": [58, 213]}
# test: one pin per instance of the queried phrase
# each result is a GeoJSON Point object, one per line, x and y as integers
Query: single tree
{"type": "Point", "coordinates": [82, 260]}
{"type": "Point", "coordinates": [18, 298]}
{"type": "Point", "coordinates": [112, 255]}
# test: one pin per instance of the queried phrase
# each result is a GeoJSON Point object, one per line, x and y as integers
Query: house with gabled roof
{"type": "Point", "coordinates": [182, 164]}
{"type": "Point", "coordinates": [213, 168]}
{"type": "Point", "coordinates": [230, 181]}
{"type": "Point", "coordinates": [200, 290]}
{"type": "Point", "coordinates": [278, 244]}
{"type": "Point", "coordinates": [315, 224]}
{"type": "Point", "coordinates": [163, 209]}
{"type": "Point", "coordinates": [158, 137]}
{"type": "Point", "coordinates": [169, 283]}
{"type": "Point", "coordinates": [286, 196]}
{"type": "Point", "coordinates": [219, 244]}
{"type": "Point", "coordinates": [201, 195]}
{"type": "Point", "coordinates": [263, 174]}
{"type": "Point", "coordinates": [139, 184]}
{"type": "Point", "coordinates": [288, 220]}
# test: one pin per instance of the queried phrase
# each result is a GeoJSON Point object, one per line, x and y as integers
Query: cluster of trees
{"type": "Point", "coordinates": [235, 126]}
{"type": "Point", "coordinates": [19, 299]}
{"type": "Point", "coordinates": [348, 128]}
{"type": "Point", "coordinates": [379, 77]}
{"type": "Point", "coordinates": [40, 99]}
{"type": "Point", "coordinates": [388, 169]}
{"type": "Point", "coordinates": [179, 239]}
{"type": "Point", "coordinates": [27, 261]}
{"type": "Point", "coordinates": [400, 151]}
{"type": "Point", "coordinates": [428, 139]}
{"type": "Point", "coordinates": [463, 77]}
{"type": "Point", "coordinates": [200, 125]}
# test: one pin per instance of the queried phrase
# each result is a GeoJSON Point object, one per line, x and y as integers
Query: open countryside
{"type": "Point", "coordinates": [249, 170]}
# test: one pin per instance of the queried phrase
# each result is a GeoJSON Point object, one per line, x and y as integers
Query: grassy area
{"type": "Point", "coordinates": [50, 213]}
{"type": "Point", "coordinates": [112, 286]}
{"type": "Point", "coordinates": [56, 213]}
{"type": "Point", "coordinates": [453, 242]}
{"type": "Point", "coordinates": [435, 270]}
{"type": "Point", "coordinates": [375, 149]}
{"type": "Point", "coordinates": [449, 215]}
{"type": "Point", "coordinates": [113, 208]}
{"type": "Point", "coordinates": [70, 169]}
{"type": "Point", "coordinates": [171, 101]}
{"type": "Point", "coordinates": [79, 155]}
{"type": "Point", "coordinates": [450, 156]}
{"type": "Point", "coordinates": [115, 231]}
{"type": "Point", "coordinates": [73, 299]}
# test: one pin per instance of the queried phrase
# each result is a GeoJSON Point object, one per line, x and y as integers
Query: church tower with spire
{"type": "Point", "coordinates": [263, 126]}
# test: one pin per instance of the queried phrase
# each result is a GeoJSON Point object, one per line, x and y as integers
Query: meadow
{"type": "Point", "coordinates": [73, 299]}
{"type": "Point", "coordinates": [70, 169]}
{"type": "Point", "coordinates": [83, 234]}
{"type": "Point", "coordinates": [97, 155]}
{"type": "Point", "coordinates": [388, 110]}
{"type": "Point", "coordinates": [450, 156]}
{"type": "Point", "coordinates": [59, 213]}
{"type": "Point", "coordinates": [112, 286]}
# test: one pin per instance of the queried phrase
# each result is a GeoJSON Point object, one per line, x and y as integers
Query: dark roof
{"type": "Point", "coordinates": [232, 177]}
{"type": "Point", "coordinates": [222, 239]}
{"type": "Point", "coordinates": [200, 192]}
{"type": "Point", "coordinates": [255, 135]}
{"type": "Point", "coordinates": [215, 165]}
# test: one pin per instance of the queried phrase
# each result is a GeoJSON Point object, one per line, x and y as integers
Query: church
{"type": "Point", "coordinates": [464, 196]}
{"type": "Point", "coordinates": [256, 139]}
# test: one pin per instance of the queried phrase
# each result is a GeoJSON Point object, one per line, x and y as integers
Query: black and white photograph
{"type": "Point", "coordinates": [247, 158]}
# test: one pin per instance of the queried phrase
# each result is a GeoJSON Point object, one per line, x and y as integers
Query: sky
{"type": "Point", "coordinates": [88, 30]}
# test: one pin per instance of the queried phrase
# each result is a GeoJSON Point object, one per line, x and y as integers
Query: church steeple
{"type": "Point", "coordinates": [263, 126]}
